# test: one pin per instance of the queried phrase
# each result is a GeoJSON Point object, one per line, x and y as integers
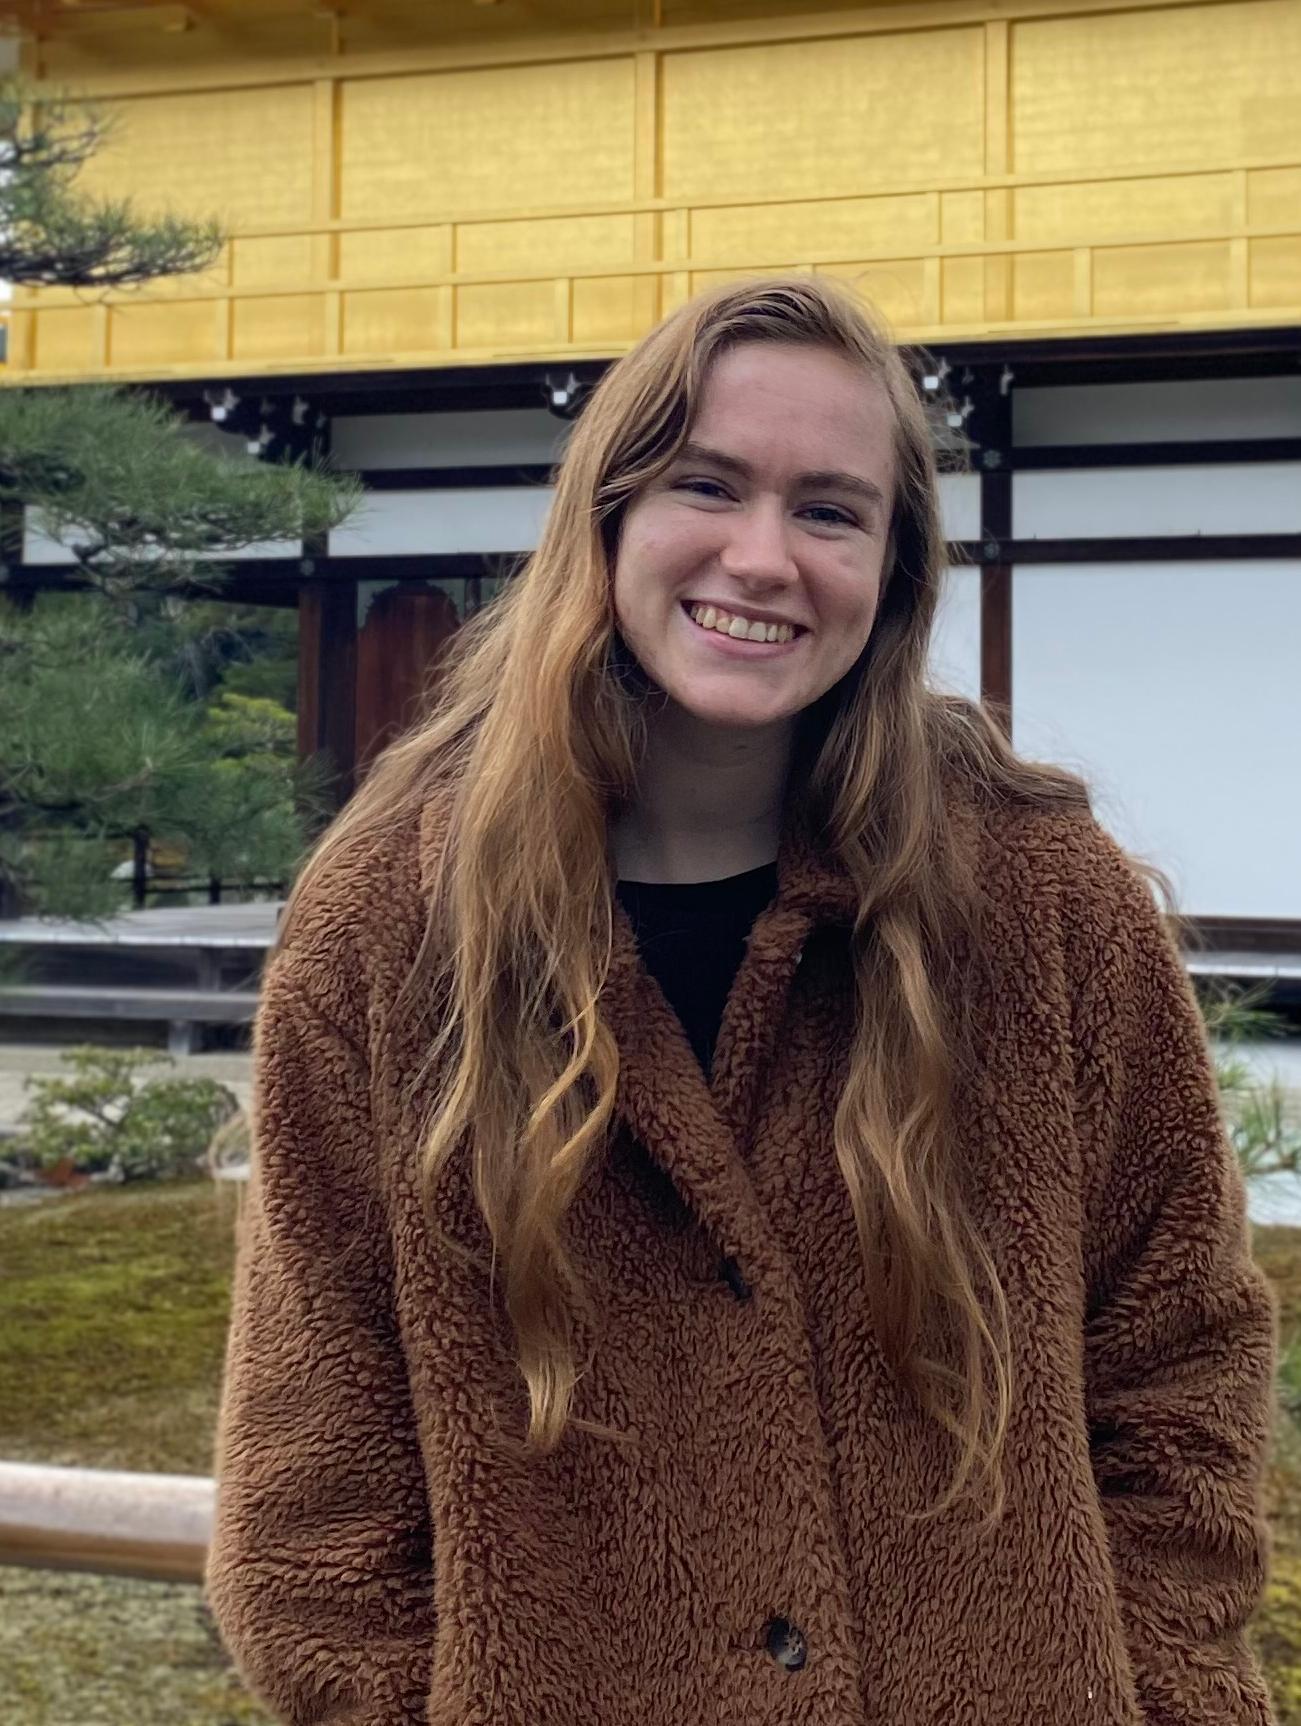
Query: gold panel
{"type": "Point", "coordinates": [697, 280]}
{"type": "Point", "coordinates": [762, 146]}
{"type": "Point", "coordinates": [1275, 272]}
{"type": "Point", "coordinates": [273, 262]}
{"type": "Point", "coordinates": [1042, 285]}
{"type": "Point", "coordinates": [1158, 88]}
{"type": "Point", "coordinates": [175, 54]}
{"type": "Point", "coordinates": [962, 290]}
{"type": "Point", "coordinates": [507, 315]}
{"type": "Point", "coordinates": [1138, 281]}
{"type": "Point", "coordinates": [503, 137]}
{"type": "Point", "coordinates": [742, 234]}
{"type": "Point", "coordinates": [1096, 211]}
{"type": "Point", "coordinates": [278, 324]}
{"type": "Point", "coordinates": [676, 289]}
{"type": "Point", "coordinates": [840, 115]}
{"type": "Point", "coordinates": [63, 296]}
{"type": "Point", "coordinates": [1274, 197]}
{"type": "Point", "coordinates": [962, 217]}
{"type": "Point", "coordinates": [397, 321]}
{"type": "Point", "coordinates": [606, 310]}
{"type": "Point", "coordinates": [544, 247]}
{"type": "Point", "coordinates": [65, 340]}
{"type": "Point", "coordinates": [897, 290]}
{"type": "Point", "coordinates": [216, 276]}
{"type": "Point", "coordinates": [395, 254]}
{"type": "Point", "coordinates": [243, 156]}
{"type": "Point", "coordinates": [166, 335]}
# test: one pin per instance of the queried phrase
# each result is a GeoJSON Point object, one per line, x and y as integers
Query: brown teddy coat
{"type": "Point", "coordinates": [743, 1559]}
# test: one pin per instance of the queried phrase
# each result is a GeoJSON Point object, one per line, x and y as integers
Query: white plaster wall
{"type": "Point", "coordinates": [1110, 503]}
{"type": "Point", "coordinates": [1176, 689]}
{"type": "Point", "coordinates": [960, 505]}
{"type": "Point", "coordinates": [954, 663]}
{"type": "Point", "coordinates": [1158, 413]}
{"type": "Point", "coordinates": [40, 547]}
{"type": "Point", "coordinates": [470, 519]}
{"type": "Point", "coordinates": [480, 438]}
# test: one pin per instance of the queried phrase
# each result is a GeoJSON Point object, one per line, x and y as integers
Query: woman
{"type": "Point", "coordinates": [740, 1228]}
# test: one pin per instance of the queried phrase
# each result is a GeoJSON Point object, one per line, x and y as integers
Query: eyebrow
{"type": "Point", "coordinates": [865, 489]}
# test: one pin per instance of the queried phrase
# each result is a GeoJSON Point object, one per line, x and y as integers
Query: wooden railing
{"type": "Point", "coordinates": [155, 1527]}
{"type": "Point", "coordinates": [681, 262]}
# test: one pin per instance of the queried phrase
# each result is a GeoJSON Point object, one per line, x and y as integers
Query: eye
{"type": "Point", "coordinates": [695, 485]}
{"type": "Point", "coordinates": [839, 517]}
{"type": "Point", "coordinates": [830, 515]}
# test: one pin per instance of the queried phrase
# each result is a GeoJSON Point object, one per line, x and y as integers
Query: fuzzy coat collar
{"type": "Point", "coordinates": [698, 1131]}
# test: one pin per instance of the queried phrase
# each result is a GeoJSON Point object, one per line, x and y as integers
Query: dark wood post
{"type": "Point", "coordinates": [140, 867]}
{"type": "Point", "coordinates": [327, 678]}
{"type": "Point", "coordinates": [993, 430]}
{"type": "Point", "coordinates": [398, 653]}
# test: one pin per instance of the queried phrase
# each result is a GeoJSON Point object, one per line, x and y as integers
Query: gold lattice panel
{"type": "Point", "coordinates": [540, 183]}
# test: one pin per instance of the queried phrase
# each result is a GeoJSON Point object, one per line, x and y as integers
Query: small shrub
{"type": "Point", "coordinates": [1255, 1110]}
{"type": "Point", "coordinates": [105, 1120]}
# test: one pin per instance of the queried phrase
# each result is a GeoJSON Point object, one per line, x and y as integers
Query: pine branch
{"type": "Point", "coordinates": [50, 236]}
{"type": "Point", "coordinates": [133, 497]}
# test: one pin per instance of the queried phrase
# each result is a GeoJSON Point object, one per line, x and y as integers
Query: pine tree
{"type": "Point", "coordinates": [52, 236]}
{"type": "Point", "coordinates": [101, 744]}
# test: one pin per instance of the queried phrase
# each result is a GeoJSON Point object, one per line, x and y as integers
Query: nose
{"type": "Point", "coordinates": [756, 546]}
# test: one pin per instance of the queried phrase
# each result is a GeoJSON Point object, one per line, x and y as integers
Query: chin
{"type": "Point", "coordinates": [730, 715]}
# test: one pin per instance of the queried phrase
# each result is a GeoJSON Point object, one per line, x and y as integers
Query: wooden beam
{"type": "Point", "coordinates": [990, 424]}
{"type": "Point", "coordinates": [92, 18]}
{"type": "Point", "coordinates": [996, 642]}
{"type": "Point", "coordinates": [455, 478]}
{"type": "Point", "coordinates": [1190, 452]}
{"type": "Point", "coordinates": [327, 678]}
{"type": "Point", "coordinates": [1154, 548]}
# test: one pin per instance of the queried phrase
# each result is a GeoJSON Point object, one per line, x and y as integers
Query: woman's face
{"type": "Point", "coordinates": [777, 509]}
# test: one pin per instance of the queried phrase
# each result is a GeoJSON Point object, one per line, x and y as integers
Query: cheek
{"type": "Point", "coordinates": [851, 594]}
{"type": "Point", "coordinates": [652, 555]}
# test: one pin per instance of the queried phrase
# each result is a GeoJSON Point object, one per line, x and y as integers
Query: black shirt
{"type": "Point", "coordinates": [692, 937]}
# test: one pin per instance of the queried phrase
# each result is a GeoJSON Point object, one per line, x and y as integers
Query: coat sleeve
{"type": "Point", "coordinates": [319, 1568]}
{"type": "Point", "coordinates": [1181, 1327]}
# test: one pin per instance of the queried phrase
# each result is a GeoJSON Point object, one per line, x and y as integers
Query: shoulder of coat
{"type": "Point", "coordinates": [356, 928]}
{"type": "Point", "coordinates": [1065, 858]}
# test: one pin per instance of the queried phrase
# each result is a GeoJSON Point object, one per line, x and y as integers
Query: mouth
{"type": "Point", "coordinates": [738, 646]}
{"type": "Point", "coordinates": [737, 632]}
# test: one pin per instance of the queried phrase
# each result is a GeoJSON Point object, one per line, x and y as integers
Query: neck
{"type": "Point", "coordinates": [708, 802]}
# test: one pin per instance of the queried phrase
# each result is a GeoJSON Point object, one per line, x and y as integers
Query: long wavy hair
{"type": "Point", "coordinates": [541, 714]}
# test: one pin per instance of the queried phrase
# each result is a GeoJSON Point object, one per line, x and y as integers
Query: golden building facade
{"type": "Point", "coordinates": [465, 184]}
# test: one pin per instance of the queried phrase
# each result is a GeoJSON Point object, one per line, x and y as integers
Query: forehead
{"type": "Point", "coordinates": [786, 405]}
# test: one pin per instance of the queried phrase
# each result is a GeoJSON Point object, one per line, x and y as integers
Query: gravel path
{"type": "Point", "coordinates": [82, 1650]}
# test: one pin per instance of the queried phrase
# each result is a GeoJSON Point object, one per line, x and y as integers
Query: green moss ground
{"type": "Point", "coordinates": [114, 1306]}
{"type": "Point", "coordinates": [113, 1313]}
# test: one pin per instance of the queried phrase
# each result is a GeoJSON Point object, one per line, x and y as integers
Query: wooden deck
{"type": "Point", "coordinates": [224, 927]}
{"type": "Point", "coordinates": [185, 967]}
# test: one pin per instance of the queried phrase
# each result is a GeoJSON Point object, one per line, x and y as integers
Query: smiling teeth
{"type": "Point", "coordinates": [742, 628]}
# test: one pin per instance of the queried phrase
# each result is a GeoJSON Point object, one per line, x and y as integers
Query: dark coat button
{"type": "Point", "coordinates": [730, 1272]}
{"type": "Point", "coordinates": [787, 1644]}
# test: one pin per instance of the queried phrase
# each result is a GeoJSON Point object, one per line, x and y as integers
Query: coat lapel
{"type": "Point", "coordinates": [699, 1131]}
